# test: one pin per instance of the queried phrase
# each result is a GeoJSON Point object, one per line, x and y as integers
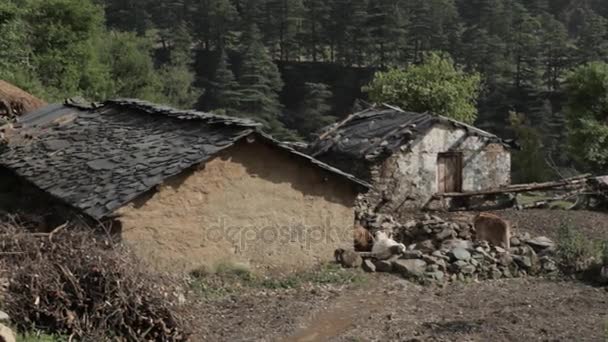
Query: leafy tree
{"type": "Point", "coordinates": [587, 114]}
{"type": "Point", "coordinates": [63, 35]}
{"type": "Point", "coordinates": [131, 67]}
{"type": "Point", "coordinates": [14, 50]}
{"type": "Point", "coordinates": [436, 85]}
{"type": "Point", "coordinates": [177, 76]}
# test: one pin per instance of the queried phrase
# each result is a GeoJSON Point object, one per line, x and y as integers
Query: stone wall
{"type": "Point", "coordinates": [408, 179]}
{"type": "Point", "coordinates": [251, 204]}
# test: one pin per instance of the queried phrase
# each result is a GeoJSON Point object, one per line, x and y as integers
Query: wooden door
{"type": "Point", "coordinates": [449, 172]}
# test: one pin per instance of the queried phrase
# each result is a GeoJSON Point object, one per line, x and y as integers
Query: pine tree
{"type": "Point", "coordinates": [592, 44]}
{"type": "Point", "coordinates": [177, 74]}
{"type": "Point", "coordinates": [259, 83]}
{"type": "Point", "coordinates": [313, 112]}
{"type": "Point", "coordinates": [357, 35]}
{"type": "Point", "coordinates": [317, 20]}
{"type": "Point", "coordinates": [387, 26]}
{"type": "Point", "coordinates": [221, 94]}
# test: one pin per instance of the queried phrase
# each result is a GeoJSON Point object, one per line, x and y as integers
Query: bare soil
{"type": "Point", "coordinates": [593, 224]}
{"type": "Point", "coordinates": [387, 308]}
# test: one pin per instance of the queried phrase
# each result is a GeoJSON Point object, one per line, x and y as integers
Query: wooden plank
{"type": "Point", "coordinates": [576, 181]}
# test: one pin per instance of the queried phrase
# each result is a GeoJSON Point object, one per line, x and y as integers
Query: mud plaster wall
{"type": "Point", "coordinates": [408, 179]}
{"type": "Point", "coordinates": [251, 204]}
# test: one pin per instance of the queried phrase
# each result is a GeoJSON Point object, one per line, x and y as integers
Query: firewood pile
{"type": "Point", "coordinates": [82, 285]}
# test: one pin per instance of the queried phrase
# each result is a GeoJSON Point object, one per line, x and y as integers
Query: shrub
{"type": "Point", "coordinates": [576, 253]}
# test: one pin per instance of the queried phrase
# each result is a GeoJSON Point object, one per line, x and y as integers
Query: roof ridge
{"type": "Point", "coordinates": [152, 108]}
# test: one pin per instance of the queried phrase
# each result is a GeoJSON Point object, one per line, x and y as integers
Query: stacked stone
{"type": "Point", "coordinates": [439, 251]}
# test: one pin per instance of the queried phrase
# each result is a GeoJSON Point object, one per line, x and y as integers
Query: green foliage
{"type": "Point", "coordinates": [314, 111]}
{"type": "Point", "coordinates": [222, 92]}
{"type": "Point", "coordinates": [529, 163]}
{"type": "Point", "coordinates": [39, 337]}
{"type": "Point", "coordinates": [586, 113]}
{"type": "Point", "coordinates": [436, 85]}
{"type": "Point", "coordinates": [14, 49]}
{"type": "Point", "coordinates": [230, 278]}
{"type": "Point", "coordinates": [62, 38]}
{"type": "Point", "coordinates": [131, 66]}
{"type": "Point", "coordinates": [576, 253]}
{"type": "Point", "coordinates": [259, 85]}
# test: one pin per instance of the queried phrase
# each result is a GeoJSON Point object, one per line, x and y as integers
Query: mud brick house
{"type": "Point", "coordinates": [410, 157]}
{"type": "Point", "coordinates": [185, 189]}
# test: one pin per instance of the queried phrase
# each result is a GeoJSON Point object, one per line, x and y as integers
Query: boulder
{"type": "Point", "coordinates": [6, 335]}
{"type": "Point", "coordinates": [349, 258]}
{"type": "Point", "coordinates": [548, 265]}
{"type": "Point", "coordinates": [415, 254]}
{"type": "Point", "coordinates": [515, 241]}
{"type": "Point", "coordinates": [468, 269]}
{"type": "Point", "coordinates": [460, 254]}
{"type": "Point", "coordinates": [493, 229]}
{"type": "Point", "coordinates": [410, 268]}
{"type": "Point", "coordinates": [426, 246]}
{"type": "Point", "coordinates": [523, 261]}
{"type": "Point", "coordinates": [449, 245]}
{"type": "Point", "coordinates": [436, 276]}
{"type": "Point", "coordinates": [446, 233]}
{"type": "Point", "coordinates": [4, 318]}
{"type": "Point", "coordinates": [383, 265]}
{"type": "Point", "coordinates": [541, 243]}
{"type": "Point", "coordinates": [368, 266]}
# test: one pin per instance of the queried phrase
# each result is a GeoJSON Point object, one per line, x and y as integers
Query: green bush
{"type": "Point", "coordinates": [576, 253]}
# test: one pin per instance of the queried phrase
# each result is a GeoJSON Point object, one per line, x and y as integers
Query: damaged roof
{"type": "Point", "coordinates": [98, 158]}
{"type": "Point", "coordinates": [379, 131]}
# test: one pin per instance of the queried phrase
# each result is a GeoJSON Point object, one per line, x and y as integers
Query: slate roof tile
{"type": "Point", "coordinates": [379, 131]}
{"type": "Point", "coordinates": [108, 154]}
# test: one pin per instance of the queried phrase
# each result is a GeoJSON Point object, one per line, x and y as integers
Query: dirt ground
{"type": "Point", "coordinates": [386, 308]}
{"type": "Point", "coordinates": [592, 224]}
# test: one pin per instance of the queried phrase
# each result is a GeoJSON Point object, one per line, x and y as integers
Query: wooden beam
{"type": "Point", "coordinates": [522, 187]}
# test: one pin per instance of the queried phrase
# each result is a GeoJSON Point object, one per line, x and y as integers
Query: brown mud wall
{"type": "Point", "coordinates": [251, 204]}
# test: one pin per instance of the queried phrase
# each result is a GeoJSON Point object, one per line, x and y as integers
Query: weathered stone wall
{"type": "Point", "coordinates": [408, 179]}
{"type": "Point", "coordinates": [252, 204]}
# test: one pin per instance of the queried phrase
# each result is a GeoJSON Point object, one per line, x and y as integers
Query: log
{"type": "Point", "coordinates": [575, 181]}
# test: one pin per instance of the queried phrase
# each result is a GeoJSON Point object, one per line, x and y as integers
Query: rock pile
{"type": "Point", "coordinates": [440, 250]}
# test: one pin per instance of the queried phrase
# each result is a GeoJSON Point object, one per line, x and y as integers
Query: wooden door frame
{"type": "Point", "coordinates": [459, 157]}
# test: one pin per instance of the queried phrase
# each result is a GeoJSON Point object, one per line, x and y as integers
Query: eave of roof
{"type": "Point", "coordinates": [43, 167]}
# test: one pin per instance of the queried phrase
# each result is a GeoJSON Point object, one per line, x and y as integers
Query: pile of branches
{"type": "Point", "coordinates": [81, 284]}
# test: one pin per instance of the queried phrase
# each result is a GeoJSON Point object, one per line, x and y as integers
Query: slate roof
{"type": "Point", "coordinates": [379, 131]}
{"type": "Point", "coordinates": [98, 158]}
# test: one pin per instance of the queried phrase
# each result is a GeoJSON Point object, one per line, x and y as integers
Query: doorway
{"type": "Point", "coordinates": [449, 172]}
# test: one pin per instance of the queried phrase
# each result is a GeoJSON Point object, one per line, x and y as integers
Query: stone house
{"type": "Point", "coordinates": [185, 189]}
{"type": "Point", "coordinates": [409, 158]}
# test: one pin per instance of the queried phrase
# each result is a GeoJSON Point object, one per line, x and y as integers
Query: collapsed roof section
{"type": "Point", "coordinates": [376, 133]}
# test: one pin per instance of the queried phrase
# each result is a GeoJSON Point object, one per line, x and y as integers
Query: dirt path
{"type": "Point", "coordinates": [340, 315]}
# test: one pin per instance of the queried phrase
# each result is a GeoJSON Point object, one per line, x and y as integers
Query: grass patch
{"type": "Point", "coordinates": [576, 252]}
{"type": "Point", "coordinates": [229, 279]}
{"type": "Point", "coordinates": [40, 337]}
